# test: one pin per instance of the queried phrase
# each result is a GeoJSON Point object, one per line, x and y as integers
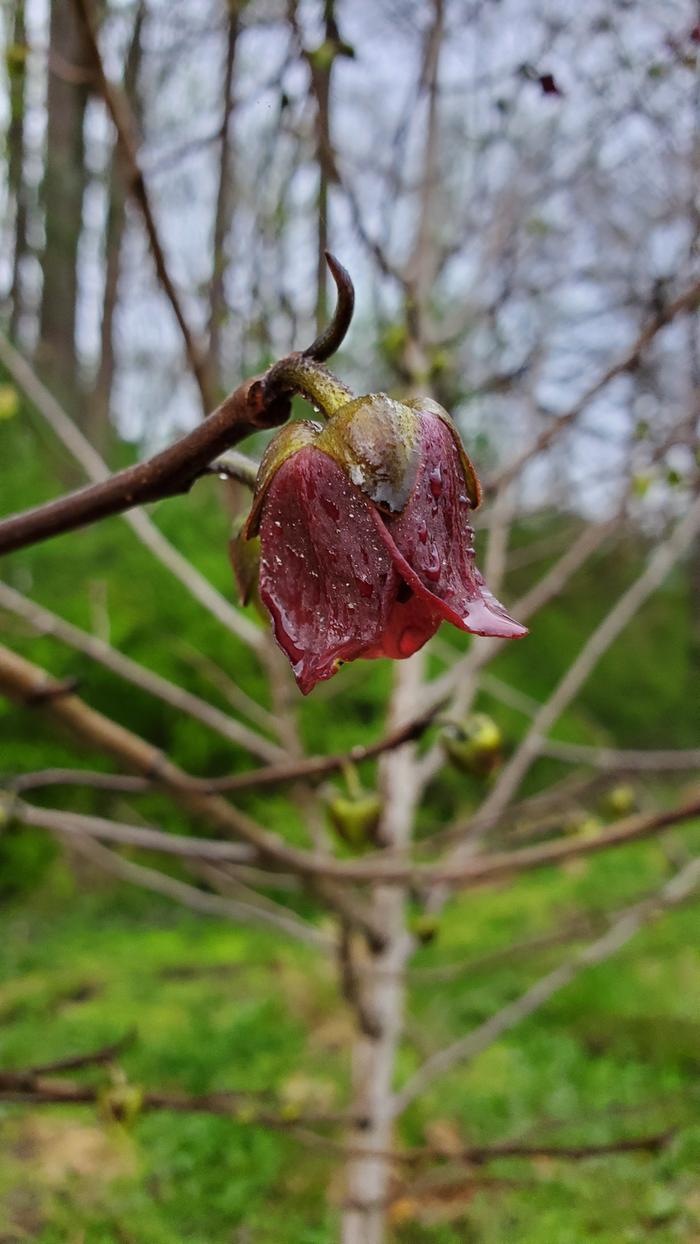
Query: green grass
{"type": "Point", "coordinates": [217, 1007]}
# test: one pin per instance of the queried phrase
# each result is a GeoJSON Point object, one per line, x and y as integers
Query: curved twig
{"type": "Point", "coordinates": [333, 336]}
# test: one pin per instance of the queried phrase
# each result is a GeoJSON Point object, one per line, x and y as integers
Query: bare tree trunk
{"type": "Point", "coordinates": [101, 397]}
{"type": "Point", "coordinates": [64, 184]}
{"type": "Point", "coordinates": [374, 1056]}
{"type": "Point", "coordinates": [224, 201]}
{"type": "Point", "coordinates": [16, 68]}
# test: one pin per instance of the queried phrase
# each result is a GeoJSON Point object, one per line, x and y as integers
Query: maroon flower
{"type": "Point", "coordinates": [366, 545]}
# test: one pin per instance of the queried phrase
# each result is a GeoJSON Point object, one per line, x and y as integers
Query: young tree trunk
{"type": "Point", "coordinates": [374, 1056]}
{"type": "Point", "coordinates": [16, 68]}
{"type": "Point", "coordinates": [64, 183]}
{"type": "Point", "coordinates": [98, 425]}
{"type": "Point", "coordinates": [224, 203]}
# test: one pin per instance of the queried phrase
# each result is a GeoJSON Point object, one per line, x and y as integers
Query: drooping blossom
{"type": "Point", "coordinates": [366, 543]}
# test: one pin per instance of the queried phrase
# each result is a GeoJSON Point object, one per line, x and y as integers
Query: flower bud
{"type": "Point", "coordinates": [425, 928]}
{"type": "Point", "coordinates": [475, 746]}
{"type": "Point", "coordinates": [366, 545]}
{"type": "Point", "coordinates": [619, 801]}
{"type": "Point", "coordinates": [356, 818]}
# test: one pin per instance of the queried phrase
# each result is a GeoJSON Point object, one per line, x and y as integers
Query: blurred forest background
{"type": "Point", "coordinates": [513, 185]}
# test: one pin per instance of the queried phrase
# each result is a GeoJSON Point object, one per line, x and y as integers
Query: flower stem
{"type": "Point", "coordinates": [298, 374]}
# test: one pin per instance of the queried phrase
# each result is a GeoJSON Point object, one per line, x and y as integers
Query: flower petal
{"type": "Point", "coordinates": [326, 574]}
{"type": "Point", "coordinates": [432, 541]}
{"type": "Point", "coordinates": [411, 623]}
{"type": "Point", "coordinates": [288, 441]}
{"type": "Point", "coordinates": [426, 406]}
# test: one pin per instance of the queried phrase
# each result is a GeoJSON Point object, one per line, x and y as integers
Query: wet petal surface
{"type": "Point", "coordinates": [434, 541]}
{"type": "Point", "coordinates": [326, 574]}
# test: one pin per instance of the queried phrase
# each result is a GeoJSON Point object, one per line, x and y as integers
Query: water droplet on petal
{"type": "Point", "coordinates": [432, 570]}
{"type": "Point", "coordinates": [331, 508]}
{"type": "Point", "coordinates": [435, 482]}
{"type": "Point", "coordinates": [364, 588]}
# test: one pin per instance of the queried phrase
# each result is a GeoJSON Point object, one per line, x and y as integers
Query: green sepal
{"type": "Point", "coordinates": [471, 479]}
{"type": "Point", "coordinates": [245, 559]}
{"type": "Point", "coordinates": [376, 441]}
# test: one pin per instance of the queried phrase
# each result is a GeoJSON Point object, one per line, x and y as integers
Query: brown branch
{"type": "Point", "coordinates": [620, 759]}
{"type": "Point", "coordinates": [473, 872]}
{"type": "Point", "coordinates": [224, 198]}
{"type": "Point", "coordinates": [168, 473]}
{"type": "Point", "coordinates": [98, 650]}
{"type": "Point", "coordinates": [272, 775]}
{"type": "Point", "coordinates": [145, 837]}
{"type": "Point", "coordinates": [26, 1088]}
{"type": "Point", "coordinates": [141, 524]}
{"type": "Point", "coordinates": [507, 863]}
{"type": "Point", "coordinates": [33, 1087]}
{"type": "Point", "coordinates": [478, 1155]}
{"type": "Point", "coordinates": [236, 910]}
{"type": "Point", "coordinates": [511, 1149]}
{"type": "Point", "coordinates": [21, 681]}
{"type": "Point", "coordinates": [261, 402]}
{"type": "Point", "coordinates": [73, 1062]}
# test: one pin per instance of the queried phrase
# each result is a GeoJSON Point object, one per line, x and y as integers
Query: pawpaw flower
{"type": "Point", "coordinates": [365, 540]}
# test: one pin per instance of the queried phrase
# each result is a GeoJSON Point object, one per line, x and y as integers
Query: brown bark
{"type": "Point", "coordinates": [16, 57]}
{"type": "Point", "coordinates": [64, 184]}
{"type": "Point", "coordinates": [100, 401]}
{"type": "Point", "coordinates": [224, 202]}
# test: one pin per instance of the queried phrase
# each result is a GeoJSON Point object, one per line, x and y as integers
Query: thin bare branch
{"type": "Point", "coordinates": [637, 917]}
{"type": "Point", "coordinates": [307, 768]}
{"type": "Point", "coordinates": [235, 466]}
{"type": "Point", "coordinates": [145, 837]}
{"type": "Point", "coordinates": [684, 303]}
{"type": "Point", "coordinates": [658, 566]}
{"type": "Point", "coordinates": [143, 527]}
{"type": "Point", "coordinates": [554, 581]}
{"type": "Point", "coordinates": [29, 1088]}
{"type": "Point", "coordinates": [93, 1058]}
{"type": "Point", "coordinates": [22, 682]}
{"type": "Point", "coordinates": [623, 760]}
{"type": "Point", "coordinates": [48, 623]}
{"type": "Point", "coordinates": [120, 113]}
{"type": "Point", "coordinates": [199, 900]}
